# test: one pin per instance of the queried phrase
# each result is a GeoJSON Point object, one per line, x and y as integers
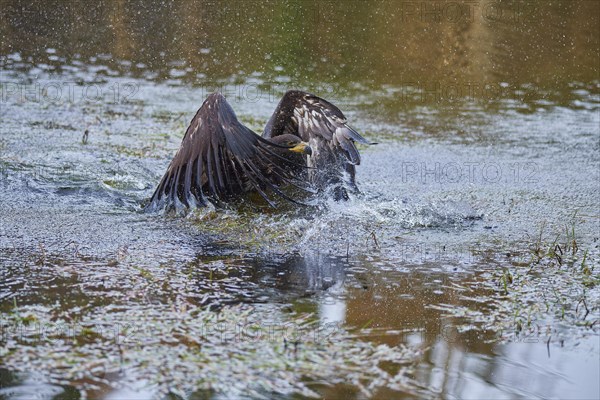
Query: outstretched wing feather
{"type": "Point", "coordinates": [218, 157]}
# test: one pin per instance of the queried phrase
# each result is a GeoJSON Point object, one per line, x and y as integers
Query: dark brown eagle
{"type": "Point", "coordinates": [306, 144]}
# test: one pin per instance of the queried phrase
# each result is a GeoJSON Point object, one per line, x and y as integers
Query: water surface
{"type": "Point", "coordinates": [442, 279]}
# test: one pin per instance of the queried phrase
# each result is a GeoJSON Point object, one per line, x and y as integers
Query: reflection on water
{"type": "Point", "coordinates": [313, 43]}
{"type": "Point", "coordinates": [487, 118]}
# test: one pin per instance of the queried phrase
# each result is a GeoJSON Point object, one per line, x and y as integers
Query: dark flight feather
{"type": "Point", "coordinates": [220, 158]}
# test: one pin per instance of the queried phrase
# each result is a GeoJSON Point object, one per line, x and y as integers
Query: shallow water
{"type": "Point", "coordinates": [436, 281]}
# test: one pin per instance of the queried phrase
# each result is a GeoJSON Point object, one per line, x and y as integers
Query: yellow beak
{"type": "Point", "coordinates": [302, 148]}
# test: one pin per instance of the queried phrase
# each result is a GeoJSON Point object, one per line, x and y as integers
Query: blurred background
{"type": "Point", "coordinates": [549, 44]}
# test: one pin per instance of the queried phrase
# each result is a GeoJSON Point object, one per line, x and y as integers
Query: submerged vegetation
{"type": "Point", "coordinates": [180, 348]}
{"type": "Point", "coordinates": [201, 339]}
{"type": "Point", "coordinates": [549, 291]}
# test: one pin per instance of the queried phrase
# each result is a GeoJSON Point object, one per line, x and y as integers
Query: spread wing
{"type": "Point", "coordinates": [219, 158]}
{"type": "Point", "coordinates": [316, 120]}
